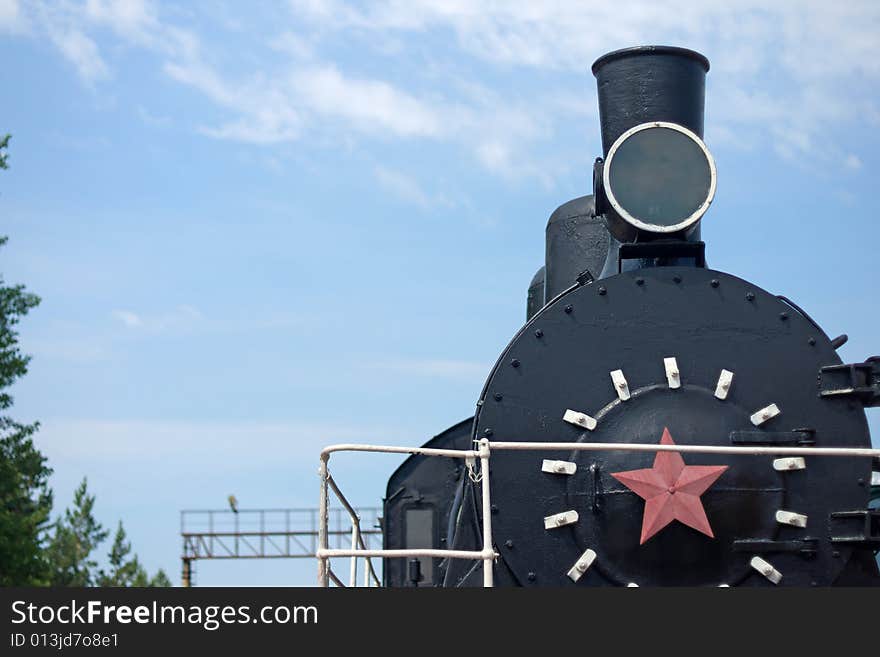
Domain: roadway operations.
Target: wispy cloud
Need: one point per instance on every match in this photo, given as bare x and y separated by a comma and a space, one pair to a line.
308, 96
744, 39
81, 51
11, 17
182, 317
402, 186
152, 119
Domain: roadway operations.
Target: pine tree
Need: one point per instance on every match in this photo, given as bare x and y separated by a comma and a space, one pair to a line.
76, 537
25, 498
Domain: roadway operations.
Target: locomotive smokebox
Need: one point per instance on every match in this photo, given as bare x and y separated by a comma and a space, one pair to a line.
650, 83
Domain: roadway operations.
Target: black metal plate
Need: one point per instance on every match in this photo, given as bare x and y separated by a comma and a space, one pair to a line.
708, 320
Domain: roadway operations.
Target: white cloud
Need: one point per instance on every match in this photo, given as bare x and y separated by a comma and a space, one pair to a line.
293, 45
402, 186
369, 105
817, 87
853, 162
180, 318
807, 91
149, 118
130, 319
81, 51
11, 18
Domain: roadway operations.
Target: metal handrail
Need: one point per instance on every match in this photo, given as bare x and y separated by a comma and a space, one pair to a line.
357, 536
488, 554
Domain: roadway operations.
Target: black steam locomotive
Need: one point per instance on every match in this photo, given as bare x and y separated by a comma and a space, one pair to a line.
630, 338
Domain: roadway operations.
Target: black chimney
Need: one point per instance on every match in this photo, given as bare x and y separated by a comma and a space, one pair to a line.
650, 83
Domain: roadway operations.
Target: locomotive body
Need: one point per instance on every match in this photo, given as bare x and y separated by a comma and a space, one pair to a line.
636, 340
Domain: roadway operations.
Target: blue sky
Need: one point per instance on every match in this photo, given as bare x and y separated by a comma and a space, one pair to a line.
258, 229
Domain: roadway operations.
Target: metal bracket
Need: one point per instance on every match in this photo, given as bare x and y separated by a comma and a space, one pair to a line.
766, 569
662, 249
585, 277
806, 547
558, 467
560, 519
789, 463
862, 527
858, 380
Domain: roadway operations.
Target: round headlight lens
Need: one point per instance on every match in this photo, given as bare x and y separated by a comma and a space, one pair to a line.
659, 177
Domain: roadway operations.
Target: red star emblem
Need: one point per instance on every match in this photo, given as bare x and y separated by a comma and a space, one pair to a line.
671, 491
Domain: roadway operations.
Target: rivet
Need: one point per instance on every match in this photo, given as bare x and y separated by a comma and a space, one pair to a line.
676, 279
811, 341
494, 508
531, 577
750, 296
714, 282
487, 432
498, 396
508, 543
835, 554
861, 482
783, 316
640, 281
569, 308
538, 333
602, 291
515, 362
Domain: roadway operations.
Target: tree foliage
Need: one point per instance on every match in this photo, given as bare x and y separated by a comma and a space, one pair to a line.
127, 570
77, 535
4, 145
33, 551
25, 497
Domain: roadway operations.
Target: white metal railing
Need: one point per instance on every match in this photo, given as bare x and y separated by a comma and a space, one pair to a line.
487, 554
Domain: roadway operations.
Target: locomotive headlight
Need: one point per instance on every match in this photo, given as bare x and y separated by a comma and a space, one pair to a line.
659, 177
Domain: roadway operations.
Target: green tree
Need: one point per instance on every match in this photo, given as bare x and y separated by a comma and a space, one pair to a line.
77, 535
4, 145
160, 579
25, 498
125, 570
28, 555
71, 551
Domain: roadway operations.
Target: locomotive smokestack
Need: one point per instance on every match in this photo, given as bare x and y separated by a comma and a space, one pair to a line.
656, 178
650, 83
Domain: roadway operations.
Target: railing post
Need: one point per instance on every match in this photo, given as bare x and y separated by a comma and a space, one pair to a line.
323, 519
354, 560
487, 515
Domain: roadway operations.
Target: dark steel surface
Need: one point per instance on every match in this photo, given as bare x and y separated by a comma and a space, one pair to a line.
427, 483
575, 241
708, 320
535, 295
